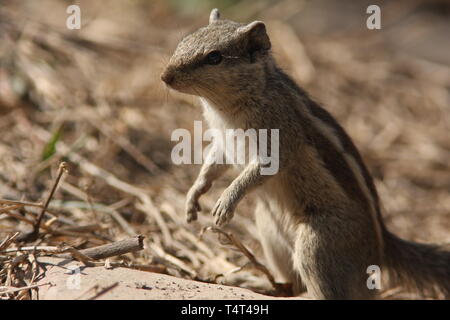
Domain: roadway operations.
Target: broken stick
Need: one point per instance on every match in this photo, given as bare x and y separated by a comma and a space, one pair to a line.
111, 249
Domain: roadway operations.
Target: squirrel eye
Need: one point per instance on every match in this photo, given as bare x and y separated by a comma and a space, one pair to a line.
214, 57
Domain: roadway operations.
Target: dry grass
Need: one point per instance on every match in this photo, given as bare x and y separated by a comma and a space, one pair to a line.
93, 98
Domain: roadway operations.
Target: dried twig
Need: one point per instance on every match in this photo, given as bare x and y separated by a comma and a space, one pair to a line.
12, 290
33, 235
9, 239
112, 249
22, 204
172, 261
87, 255
82, 230
78, 255
62, 168
50, 249
7, 209
281, 289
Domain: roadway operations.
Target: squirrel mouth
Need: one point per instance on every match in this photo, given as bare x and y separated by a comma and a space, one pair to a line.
183, 89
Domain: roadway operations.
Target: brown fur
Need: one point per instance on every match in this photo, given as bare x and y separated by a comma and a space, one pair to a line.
319, 216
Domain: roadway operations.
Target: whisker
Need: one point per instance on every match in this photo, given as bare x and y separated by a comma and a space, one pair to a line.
167, 95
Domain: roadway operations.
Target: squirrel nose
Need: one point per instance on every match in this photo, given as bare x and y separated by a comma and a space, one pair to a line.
167, 77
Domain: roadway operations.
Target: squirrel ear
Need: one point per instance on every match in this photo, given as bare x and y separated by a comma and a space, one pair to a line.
214, 15
256, 35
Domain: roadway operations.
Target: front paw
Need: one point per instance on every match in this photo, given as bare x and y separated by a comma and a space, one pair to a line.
224, 209
192, 207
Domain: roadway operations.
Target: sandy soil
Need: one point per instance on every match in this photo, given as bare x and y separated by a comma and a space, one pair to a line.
71, 280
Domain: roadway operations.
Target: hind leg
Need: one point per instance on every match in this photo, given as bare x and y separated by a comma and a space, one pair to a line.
333, 262
277, 249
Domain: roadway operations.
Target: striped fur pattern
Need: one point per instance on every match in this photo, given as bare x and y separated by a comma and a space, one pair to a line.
319, 216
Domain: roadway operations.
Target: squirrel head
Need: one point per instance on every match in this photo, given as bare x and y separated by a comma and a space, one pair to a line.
220, 61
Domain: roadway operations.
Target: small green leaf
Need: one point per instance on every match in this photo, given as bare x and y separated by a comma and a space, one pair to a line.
50, 147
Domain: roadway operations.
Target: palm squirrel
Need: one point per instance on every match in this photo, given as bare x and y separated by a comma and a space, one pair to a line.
319, 216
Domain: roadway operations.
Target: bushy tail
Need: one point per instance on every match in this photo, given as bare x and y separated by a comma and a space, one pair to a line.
422, 268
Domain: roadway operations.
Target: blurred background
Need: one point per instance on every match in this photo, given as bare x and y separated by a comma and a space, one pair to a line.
93, 97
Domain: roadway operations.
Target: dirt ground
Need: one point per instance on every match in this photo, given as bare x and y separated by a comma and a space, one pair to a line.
93, 98
128, 284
